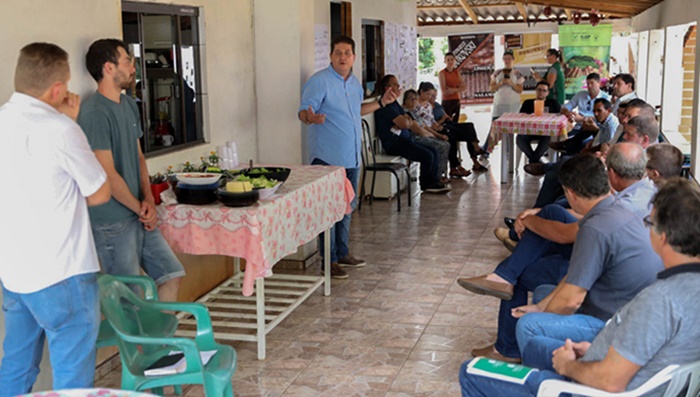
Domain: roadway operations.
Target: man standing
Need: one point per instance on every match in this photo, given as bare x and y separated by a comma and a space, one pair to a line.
125, 228
331, 103
48, 264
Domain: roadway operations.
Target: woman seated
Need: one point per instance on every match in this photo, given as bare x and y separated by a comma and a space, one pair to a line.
431, 137
456, 132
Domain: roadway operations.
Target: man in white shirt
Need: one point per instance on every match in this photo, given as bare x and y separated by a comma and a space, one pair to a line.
48, 262
623, 90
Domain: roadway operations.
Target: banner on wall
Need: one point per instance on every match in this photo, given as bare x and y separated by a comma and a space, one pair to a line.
585, 49
475, 61
401, 53
529, 51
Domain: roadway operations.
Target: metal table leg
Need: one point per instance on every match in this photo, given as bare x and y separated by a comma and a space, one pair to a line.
327, 262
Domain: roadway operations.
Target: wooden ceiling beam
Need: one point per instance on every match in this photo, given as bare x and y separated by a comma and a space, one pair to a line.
522, 8
469, 10
584, 6
568, 13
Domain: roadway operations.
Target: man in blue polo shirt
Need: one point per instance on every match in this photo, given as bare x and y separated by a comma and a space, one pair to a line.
331, 104
579, 109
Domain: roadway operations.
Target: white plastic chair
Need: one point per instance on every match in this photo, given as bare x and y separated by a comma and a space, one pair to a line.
679, 378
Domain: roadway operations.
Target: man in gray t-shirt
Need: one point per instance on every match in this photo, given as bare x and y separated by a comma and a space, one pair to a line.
125, 229
659, 327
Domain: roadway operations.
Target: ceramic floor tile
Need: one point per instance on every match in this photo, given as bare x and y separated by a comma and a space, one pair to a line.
400, 326
409, 292
430, 371
396, 312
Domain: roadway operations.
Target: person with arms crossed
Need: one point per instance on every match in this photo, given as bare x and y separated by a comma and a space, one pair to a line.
331, 104
125, 229
48, 263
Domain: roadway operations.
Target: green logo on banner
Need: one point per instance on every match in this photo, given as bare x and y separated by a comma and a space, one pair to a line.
585, 35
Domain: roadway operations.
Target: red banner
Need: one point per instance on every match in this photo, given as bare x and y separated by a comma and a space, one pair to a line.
475, 60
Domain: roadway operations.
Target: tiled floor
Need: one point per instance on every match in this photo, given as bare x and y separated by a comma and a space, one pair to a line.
400, 326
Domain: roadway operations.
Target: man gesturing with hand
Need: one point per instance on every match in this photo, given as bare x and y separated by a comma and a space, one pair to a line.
331, 104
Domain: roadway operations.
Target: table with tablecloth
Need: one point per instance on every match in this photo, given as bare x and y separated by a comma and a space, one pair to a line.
311, 201
509, 124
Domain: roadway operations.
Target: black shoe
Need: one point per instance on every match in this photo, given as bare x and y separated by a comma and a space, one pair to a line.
510, 222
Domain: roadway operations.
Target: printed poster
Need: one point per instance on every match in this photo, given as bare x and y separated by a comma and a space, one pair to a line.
586, 49
529, 51
401, 53
475, 60
322, 47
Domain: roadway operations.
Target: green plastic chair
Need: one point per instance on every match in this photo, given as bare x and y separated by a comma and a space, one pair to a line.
138, 350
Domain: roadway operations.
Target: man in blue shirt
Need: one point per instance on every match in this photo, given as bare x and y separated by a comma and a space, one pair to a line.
578, 109
605, 122
331, 104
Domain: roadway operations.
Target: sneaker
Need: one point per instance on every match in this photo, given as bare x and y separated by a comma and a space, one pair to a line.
337, 272
503, 235
437, 188
351, 261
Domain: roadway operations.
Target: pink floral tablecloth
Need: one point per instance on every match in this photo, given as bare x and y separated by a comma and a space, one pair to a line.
309, 202
528, 124
88, 393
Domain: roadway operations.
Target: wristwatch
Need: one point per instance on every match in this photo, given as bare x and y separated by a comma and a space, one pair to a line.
379, 100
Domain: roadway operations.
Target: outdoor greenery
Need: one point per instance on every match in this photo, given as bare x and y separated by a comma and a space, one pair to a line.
426, 58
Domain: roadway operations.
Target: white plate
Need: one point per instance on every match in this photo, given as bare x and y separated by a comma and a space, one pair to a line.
198, 178
267, 193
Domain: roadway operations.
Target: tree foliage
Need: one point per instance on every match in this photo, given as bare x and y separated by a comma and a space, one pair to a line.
426, 58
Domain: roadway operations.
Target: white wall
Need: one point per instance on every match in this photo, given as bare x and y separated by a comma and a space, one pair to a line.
284, 38
74, 24
667, 13
227, 60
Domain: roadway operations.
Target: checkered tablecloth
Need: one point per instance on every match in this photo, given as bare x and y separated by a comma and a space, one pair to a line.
528, 124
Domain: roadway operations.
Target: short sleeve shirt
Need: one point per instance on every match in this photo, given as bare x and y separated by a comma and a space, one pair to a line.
612, 258
659, 327
606, 130
384, 121
423, 114
505, 99
115, 127
557, 91
637, 197
338, 140
47, 236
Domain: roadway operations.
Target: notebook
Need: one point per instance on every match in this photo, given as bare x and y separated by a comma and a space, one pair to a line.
495, 369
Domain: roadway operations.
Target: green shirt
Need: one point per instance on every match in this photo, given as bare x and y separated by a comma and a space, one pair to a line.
557, 91
116, 127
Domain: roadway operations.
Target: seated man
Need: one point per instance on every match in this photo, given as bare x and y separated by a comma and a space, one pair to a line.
578, 110
626, 166
644, 126
623, 90
659, 327
524, 141
664, 161
394, 127
608, 238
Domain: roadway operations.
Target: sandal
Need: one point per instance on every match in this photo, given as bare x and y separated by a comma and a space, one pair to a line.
444, 181
479, 168
465, 172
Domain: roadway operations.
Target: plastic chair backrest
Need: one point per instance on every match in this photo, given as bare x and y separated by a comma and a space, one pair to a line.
127, 314
368, 156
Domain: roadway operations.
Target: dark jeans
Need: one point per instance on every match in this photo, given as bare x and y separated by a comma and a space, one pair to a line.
460, 132
534, 261
524, 144
452, 108
414, 151
551, 189
340, 232
576, 143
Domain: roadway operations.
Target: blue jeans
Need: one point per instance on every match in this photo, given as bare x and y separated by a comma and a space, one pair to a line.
577, 327
340, 232
546, 270
414, 151
68, 315
481, 386
124, 247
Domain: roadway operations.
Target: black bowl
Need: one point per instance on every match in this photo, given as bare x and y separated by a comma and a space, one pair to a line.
278, 173
195, 196
242, 199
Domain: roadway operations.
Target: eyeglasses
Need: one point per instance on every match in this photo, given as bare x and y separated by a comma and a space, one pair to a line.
648, 222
